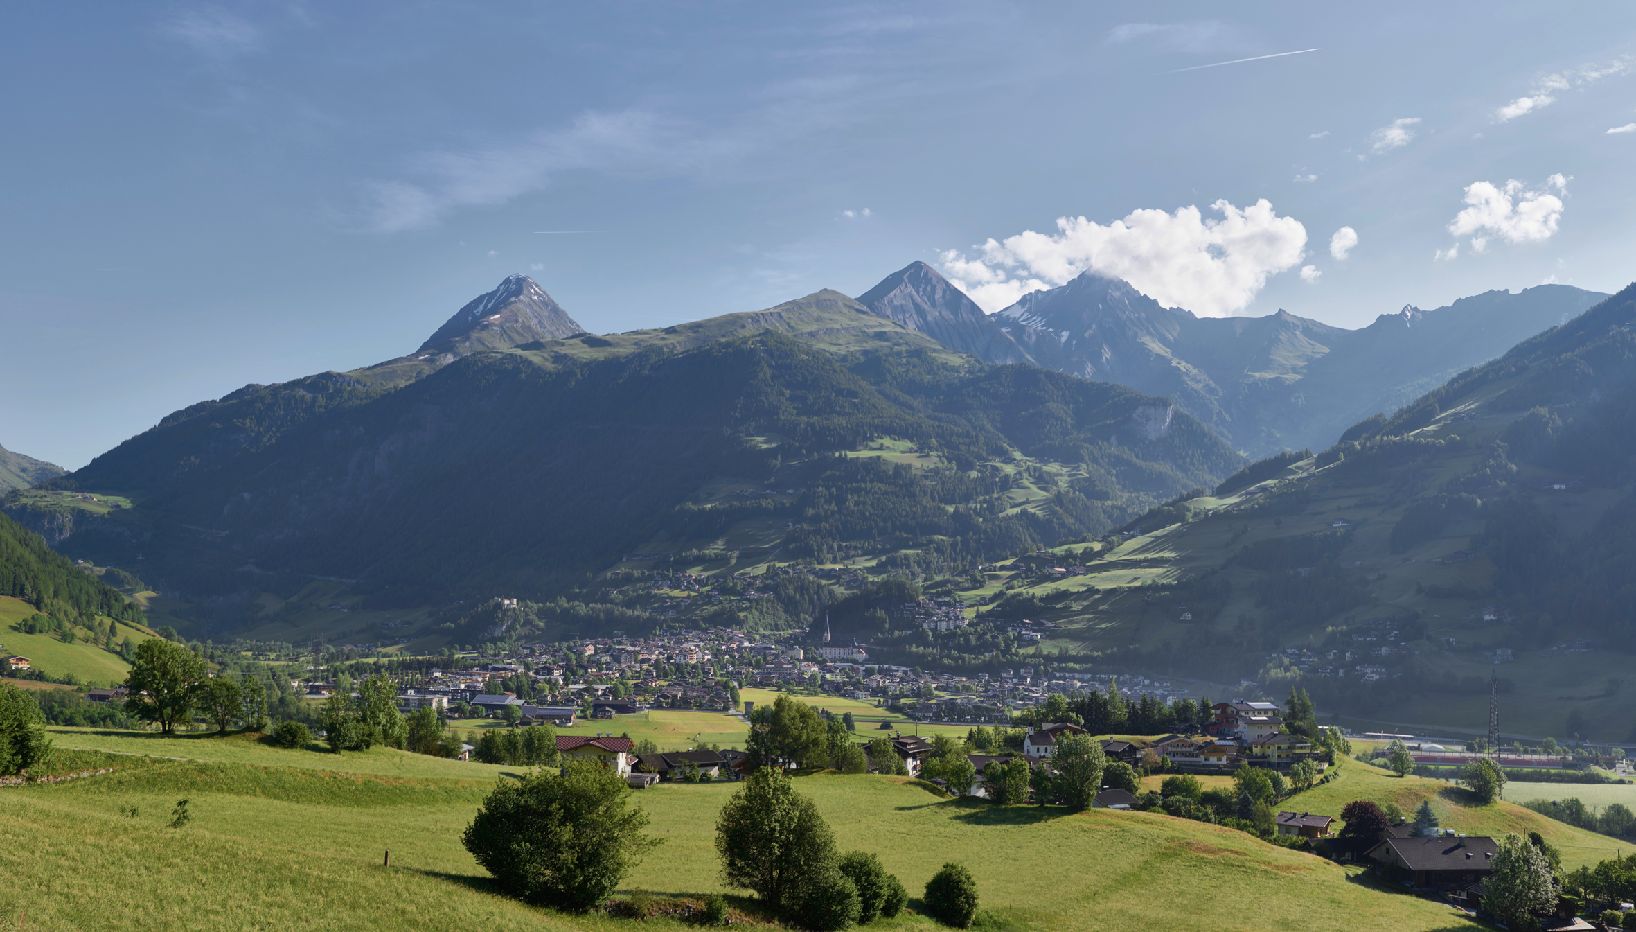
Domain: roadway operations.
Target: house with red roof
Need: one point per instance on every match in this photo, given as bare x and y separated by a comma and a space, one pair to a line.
617, 753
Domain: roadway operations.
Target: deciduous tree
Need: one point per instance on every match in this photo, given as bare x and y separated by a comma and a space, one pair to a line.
163, 683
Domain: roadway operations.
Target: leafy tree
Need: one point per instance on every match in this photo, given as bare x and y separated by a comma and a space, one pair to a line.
883, 758
826, 899
871, 881
1181, 785
378, 712
848, 721
894, 899
1520, 885
425, 732
771, 838
951, 894
1398, 758
849, 758
1007, 782
1121, 776
1365, 824
1077, 766
289, 734
1485, 779
343, 726
949, 764
1254, 784
560, 840
221, 702
22, 731
163, 683
787, 733
1303, 774
1425, 820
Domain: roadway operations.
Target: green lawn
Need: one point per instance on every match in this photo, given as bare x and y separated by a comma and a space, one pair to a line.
1456, 809
670, 729
1595, 795
867, 716
90, 663
296, 839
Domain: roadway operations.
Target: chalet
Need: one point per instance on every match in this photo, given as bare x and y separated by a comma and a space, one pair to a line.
116, 694
1305, 824
1441, 861
1042, 741
610, 709
1203, 755
1277, 751
914, 751
1114, 799
17, 663
676, 764
1246, 720
615, 753
1125, 751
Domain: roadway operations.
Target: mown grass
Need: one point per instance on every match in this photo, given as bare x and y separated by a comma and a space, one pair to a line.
82, 659
669, 729
277, 843
867, 716
1595, 795
1456, 808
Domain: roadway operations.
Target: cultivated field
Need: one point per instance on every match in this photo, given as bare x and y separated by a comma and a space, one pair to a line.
296, 839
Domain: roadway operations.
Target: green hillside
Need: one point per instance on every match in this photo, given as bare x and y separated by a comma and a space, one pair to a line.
19, 472
1489, 521
295, 839
50, 654
727, 444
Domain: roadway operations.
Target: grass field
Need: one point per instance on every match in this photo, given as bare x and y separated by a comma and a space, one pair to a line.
1595, 795
670, 729
295, 840
1455, 809
868, 717
90, 663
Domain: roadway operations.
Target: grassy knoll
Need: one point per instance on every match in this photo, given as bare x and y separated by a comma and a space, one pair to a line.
82, 659
1595, 795
294, 839
670, 729
1456, 809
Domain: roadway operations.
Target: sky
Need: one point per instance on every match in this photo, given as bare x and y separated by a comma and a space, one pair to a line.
194, 196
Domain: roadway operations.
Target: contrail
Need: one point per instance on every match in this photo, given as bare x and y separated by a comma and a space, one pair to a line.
1240, 61
563, 232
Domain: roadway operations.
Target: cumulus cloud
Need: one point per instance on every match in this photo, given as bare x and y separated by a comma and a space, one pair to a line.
858, 213
1621, 130
1310, 274
1512, 213
1211, 265
1305, 177
213, 32
1395, 135
1340, 245
1548, 88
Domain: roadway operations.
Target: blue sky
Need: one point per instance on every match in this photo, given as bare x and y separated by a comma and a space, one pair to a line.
199, 196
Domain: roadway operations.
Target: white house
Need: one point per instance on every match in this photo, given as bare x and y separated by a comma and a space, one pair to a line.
1042, 741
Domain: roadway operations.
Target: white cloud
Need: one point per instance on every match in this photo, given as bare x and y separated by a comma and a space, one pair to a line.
1447, 255
1320, 134
861, 213
1310, 274
212, 31
1340, 245
1399, 133
1512, 212
1621, 130
536, 266
1194, 37
1212, 266
1305, 177
1548, 88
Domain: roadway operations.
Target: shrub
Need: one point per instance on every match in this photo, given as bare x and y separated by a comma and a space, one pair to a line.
1485, 779
291, 735
871, 880
1121, 776
22, 731
1613, 919
772, 838
951, 896
824, 900
894, 899
563, 841
715, 910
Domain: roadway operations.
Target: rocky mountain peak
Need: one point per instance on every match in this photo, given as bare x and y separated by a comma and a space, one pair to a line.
516, 312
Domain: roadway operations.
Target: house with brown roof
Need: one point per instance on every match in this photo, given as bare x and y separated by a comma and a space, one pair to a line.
608, 751
675, 765
1042, 741
1305, 824
914, 750
17, 663
1438, 861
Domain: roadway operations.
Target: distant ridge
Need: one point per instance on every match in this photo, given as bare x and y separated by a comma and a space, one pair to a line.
21, 472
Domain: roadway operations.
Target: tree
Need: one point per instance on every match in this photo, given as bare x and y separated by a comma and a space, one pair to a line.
1303, 774
1365, 824
1181, 785
163, 683
1121, 776
291, 735
221, 702
1520, 885
425, 732
1398, 758
560, 840
378, 712
883, 758
1425, 820
1078, 764
825, 900
1007, 782
950, 765
1485, 779
871, 881
848, 721
787, 733
1253, 784
22, 731
951, 894
849, 758
771, 838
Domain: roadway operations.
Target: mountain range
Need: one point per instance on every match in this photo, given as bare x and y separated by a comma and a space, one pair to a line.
1266, 383
20, 472
514, 454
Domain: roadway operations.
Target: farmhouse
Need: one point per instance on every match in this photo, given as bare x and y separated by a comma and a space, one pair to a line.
913, 750
610, 752
678, 764
1042, 741
17, 663
1305, 824
1441, 861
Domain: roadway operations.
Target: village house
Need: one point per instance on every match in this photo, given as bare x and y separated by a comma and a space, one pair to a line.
491, 703
615, 753
559, 715
1437, 862
1245, 720
1305, 824
675, 765
1277, 751
17, 664
1114, 799
914, 751
1041, 743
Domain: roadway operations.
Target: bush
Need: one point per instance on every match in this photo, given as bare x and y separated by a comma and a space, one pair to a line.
871, 880
771, 839
564, 841
951, 896
894, 899
1613, 919
825, 900
715, 910
291, 735
22, 731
